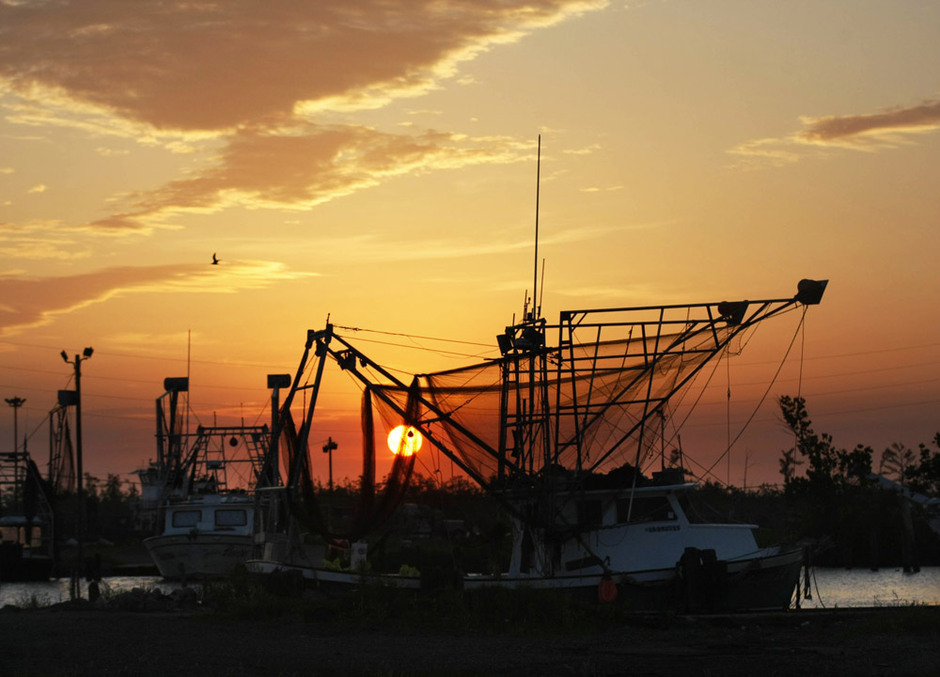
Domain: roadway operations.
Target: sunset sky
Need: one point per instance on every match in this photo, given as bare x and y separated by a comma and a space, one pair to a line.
374, 161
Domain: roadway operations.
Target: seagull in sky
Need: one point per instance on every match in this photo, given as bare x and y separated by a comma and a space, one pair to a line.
215, 261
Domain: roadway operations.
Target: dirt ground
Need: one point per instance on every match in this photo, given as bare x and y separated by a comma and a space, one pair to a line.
80, 640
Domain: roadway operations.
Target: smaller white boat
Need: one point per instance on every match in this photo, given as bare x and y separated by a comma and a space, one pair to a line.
206, 519
204, 536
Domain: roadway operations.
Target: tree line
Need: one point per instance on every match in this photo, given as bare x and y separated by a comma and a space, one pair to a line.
830, 497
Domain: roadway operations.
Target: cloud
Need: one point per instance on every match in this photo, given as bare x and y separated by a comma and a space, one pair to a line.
212, 66
863, 132
863, 128
32, 302
305, 165
260, 77
40, 240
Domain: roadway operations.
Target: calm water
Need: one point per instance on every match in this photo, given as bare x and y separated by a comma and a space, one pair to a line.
831, 588
57, 590
863, 588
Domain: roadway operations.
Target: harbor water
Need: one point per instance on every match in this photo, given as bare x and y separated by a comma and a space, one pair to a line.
840, 588
829, 588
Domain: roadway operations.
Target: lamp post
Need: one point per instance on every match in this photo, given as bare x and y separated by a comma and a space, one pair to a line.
80, 487
16, 403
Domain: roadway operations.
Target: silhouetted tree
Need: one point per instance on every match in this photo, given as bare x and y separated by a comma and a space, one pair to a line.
828, 468
896, 462
834, 500
924, 472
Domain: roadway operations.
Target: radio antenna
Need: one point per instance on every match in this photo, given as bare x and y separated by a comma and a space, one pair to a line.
538, 312
535, 268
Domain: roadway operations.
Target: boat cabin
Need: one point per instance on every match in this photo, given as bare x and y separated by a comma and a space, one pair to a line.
212, 513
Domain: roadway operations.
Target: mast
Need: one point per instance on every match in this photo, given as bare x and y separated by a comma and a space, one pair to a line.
536, 311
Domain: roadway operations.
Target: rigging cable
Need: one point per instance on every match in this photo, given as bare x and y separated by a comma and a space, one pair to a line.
448, 353
728, 410
799, 383
766, 392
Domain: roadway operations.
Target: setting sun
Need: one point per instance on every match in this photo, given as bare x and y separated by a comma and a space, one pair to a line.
405, 441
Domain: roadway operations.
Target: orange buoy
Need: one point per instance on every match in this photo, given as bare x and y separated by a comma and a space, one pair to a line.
606, 590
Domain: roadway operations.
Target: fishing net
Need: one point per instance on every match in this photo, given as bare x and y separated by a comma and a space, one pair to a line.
61, 456
582, 406
375, 502
593, 404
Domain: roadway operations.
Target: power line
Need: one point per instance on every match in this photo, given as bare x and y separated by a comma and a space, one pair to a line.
414, 336
142, 356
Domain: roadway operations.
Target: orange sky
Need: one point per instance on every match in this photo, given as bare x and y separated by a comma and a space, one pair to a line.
375, 161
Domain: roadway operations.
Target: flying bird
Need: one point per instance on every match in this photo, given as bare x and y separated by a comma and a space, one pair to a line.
215, 261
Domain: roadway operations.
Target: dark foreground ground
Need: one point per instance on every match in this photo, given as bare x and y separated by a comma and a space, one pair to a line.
80, 640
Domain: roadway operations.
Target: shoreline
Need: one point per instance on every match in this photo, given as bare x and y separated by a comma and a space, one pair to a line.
80, 639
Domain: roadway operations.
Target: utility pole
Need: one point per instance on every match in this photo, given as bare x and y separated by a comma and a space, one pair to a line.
80, 487
328, 448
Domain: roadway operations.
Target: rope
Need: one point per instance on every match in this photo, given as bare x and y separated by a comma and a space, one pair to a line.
764, 396
728, 412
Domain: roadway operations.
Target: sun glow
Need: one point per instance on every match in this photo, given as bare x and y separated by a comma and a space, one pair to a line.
405, 441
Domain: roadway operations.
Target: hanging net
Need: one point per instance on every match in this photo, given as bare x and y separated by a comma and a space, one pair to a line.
61, 456
582, 405
375, 502
591, 404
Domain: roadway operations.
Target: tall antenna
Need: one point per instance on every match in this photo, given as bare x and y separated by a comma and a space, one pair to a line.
535, 267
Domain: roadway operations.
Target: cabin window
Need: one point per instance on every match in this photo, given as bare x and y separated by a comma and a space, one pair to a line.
695, 511
231, 517
590, 513
645, 509
186, 518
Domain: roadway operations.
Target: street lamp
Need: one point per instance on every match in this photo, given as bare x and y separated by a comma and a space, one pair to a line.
16, 403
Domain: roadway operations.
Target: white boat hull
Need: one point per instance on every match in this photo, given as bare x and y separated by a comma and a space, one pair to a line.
760, 583
199, 556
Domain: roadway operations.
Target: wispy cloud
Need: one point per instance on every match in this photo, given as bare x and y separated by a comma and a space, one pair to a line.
868, 132
40, 240
382, 246
305, 165
31, 302
874, 127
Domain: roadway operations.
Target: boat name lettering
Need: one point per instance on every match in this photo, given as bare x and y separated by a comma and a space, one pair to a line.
670, 527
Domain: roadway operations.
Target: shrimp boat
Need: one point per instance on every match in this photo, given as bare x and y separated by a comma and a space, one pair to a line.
203, 491
26, 520
556, 428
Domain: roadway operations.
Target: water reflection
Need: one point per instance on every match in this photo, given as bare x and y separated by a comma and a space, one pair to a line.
864, 588
831, 588
51, 592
